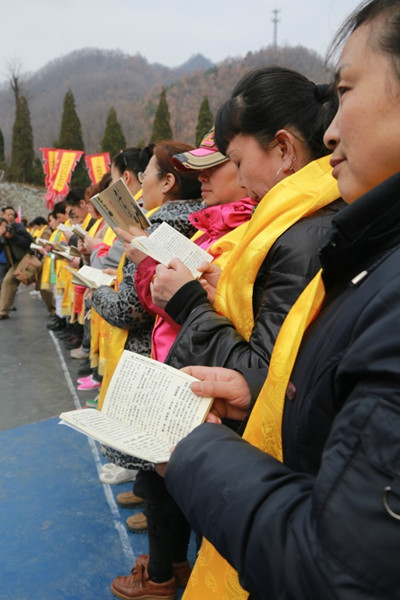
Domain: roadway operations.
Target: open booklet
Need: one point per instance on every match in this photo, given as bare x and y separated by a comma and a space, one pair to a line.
119, 208
149, 407
74, 229
54, 245
79, 231
90, 277
64, 228
165, 243
69, 252
34, 246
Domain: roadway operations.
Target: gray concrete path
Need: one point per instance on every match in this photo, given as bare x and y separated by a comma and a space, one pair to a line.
37, 375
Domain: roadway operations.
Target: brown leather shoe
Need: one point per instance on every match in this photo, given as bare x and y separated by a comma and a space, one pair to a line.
137, 523
137, 585
182, 573
181, 570
129, 500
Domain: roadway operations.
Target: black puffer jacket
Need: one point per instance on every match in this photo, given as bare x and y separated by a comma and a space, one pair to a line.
207, 338
320, 525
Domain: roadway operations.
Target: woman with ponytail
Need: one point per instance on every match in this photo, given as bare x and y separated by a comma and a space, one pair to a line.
272, 129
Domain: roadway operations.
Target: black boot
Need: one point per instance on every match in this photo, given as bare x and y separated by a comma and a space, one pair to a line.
56, 324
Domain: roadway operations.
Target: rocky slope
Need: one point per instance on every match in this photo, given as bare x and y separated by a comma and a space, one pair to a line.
28, 197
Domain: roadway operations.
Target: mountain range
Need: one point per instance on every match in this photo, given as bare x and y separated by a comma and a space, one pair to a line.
102, 79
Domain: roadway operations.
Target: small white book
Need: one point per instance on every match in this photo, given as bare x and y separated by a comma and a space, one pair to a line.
90, 277
69, 252
65, 255
149, 407
54, 245
34, 246
64, 228
165, 243
44, 241
79, 231
119, 208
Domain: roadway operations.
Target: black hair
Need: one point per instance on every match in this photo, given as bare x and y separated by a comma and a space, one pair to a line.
271, 98
59, 208
133, 159
38, 221
9, 208
75, 195
387, 37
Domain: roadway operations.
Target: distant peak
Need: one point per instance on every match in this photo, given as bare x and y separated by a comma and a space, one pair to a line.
197, 62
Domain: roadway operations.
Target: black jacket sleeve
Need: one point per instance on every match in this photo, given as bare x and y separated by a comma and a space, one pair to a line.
290, 534
210, 339
257, 516
315, 529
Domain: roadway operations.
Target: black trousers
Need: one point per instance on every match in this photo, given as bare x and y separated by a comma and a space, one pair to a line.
168, 530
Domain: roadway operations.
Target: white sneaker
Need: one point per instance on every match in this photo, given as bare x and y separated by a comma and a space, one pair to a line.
112, 474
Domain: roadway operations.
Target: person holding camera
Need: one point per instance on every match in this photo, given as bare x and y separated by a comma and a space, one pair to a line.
9, 214
15, 241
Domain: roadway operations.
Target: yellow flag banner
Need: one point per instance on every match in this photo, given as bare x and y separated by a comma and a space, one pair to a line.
97, 165
50, 157
63, 170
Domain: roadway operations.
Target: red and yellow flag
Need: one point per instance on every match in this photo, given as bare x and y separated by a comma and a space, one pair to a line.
50, 157
97, 165
58, 167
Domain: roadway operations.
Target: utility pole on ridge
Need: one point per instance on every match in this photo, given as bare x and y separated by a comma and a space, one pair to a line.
275, 21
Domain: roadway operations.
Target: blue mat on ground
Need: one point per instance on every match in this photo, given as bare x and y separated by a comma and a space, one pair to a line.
62, 536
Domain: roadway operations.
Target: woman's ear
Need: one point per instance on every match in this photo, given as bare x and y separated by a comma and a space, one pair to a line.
169, 182
286, 143
126, 176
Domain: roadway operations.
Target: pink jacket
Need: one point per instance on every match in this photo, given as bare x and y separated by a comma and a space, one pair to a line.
215, 222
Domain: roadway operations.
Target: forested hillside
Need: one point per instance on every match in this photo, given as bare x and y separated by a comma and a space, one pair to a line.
101, 79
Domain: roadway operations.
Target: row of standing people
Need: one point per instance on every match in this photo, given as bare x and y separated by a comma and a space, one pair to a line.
305, 464
263, 265
262, 268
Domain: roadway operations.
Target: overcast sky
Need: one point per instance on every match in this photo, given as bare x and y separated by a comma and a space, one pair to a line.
165, 31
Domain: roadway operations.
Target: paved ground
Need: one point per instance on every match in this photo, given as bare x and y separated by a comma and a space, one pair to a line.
62, 535
37, 376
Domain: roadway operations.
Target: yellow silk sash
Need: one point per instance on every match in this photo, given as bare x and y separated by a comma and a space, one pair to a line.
212, 576
93, 230
109, 236
66, 281
292, 199
108, 342
48, 261
39, 232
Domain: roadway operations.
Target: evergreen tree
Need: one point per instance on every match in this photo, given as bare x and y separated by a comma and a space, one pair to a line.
22, 153
38, 173
2, 155
113, 139
70, 138
161, 125
204, 120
